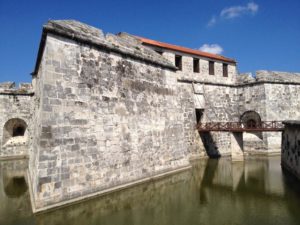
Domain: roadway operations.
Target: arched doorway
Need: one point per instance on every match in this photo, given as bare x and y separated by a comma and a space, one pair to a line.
251, 119
15, 127
252, 141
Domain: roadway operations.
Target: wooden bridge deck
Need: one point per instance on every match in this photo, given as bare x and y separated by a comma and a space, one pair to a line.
265, 126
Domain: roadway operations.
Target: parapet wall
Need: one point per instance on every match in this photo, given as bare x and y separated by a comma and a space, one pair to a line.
290, 148
15, 111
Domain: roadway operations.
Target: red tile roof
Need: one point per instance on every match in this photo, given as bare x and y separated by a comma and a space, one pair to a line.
184, 50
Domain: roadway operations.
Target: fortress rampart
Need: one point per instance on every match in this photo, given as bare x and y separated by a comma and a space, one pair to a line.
110, 111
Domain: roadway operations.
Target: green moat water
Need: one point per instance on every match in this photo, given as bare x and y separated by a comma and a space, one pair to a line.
213, 192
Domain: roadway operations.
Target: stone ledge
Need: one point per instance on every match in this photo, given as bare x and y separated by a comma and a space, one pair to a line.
241, 82
291, 122
13, 157
262, 153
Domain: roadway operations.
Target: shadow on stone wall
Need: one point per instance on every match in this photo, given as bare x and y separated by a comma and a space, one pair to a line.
210, 145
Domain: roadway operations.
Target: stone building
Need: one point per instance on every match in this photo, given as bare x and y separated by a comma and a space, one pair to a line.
105, 111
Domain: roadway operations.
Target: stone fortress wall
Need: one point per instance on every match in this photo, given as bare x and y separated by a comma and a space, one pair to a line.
275, 97
106, 116
290, 148
110, 111
15, 108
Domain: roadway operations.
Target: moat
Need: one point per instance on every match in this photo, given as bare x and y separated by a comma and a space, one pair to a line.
212, 192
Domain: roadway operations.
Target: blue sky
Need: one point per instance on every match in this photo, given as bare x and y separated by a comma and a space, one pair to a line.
258, 34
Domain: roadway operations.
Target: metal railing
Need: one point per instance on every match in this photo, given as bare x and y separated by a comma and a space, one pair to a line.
240, 126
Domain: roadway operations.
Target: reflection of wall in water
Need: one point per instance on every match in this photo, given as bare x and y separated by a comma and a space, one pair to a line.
257, 190
14, 195
255, 175
137, 204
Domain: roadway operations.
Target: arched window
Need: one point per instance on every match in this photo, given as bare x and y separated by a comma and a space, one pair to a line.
14, 128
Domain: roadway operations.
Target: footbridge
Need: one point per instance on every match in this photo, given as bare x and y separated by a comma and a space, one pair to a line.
250, 126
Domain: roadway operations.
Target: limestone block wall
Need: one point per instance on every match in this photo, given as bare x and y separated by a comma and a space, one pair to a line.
220, 106
275, 97
218, 103
282, 103
102, 120
188, 106
252, 97
15, 106
290, 149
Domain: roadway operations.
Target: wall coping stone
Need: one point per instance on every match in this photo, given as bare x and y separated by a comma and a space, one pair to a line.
262, 77
9, 88
291, 122
92, 36
277, 76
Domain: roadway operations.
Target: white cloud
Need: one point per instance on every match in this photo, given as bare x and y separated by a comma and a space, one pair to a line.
234, 12
213, 48
212, 21
237, 11
252, 7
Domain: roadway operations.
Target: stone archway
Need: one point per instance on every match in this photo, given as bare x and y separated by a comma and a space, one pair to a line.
13, 128
252, 141
251, 119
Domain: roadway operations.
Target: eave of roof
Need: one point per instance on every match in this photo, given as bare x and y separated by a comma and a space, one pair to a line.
185, 50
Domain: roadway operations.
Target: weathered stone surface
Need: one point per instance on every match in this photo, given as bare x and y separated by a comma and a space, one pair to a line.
118, 120
14, 106
276, 76
90, 35
290, 149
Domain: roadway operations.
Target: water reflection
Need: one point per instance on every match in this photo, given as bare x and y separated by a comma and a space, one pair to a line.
14, 197
213, 192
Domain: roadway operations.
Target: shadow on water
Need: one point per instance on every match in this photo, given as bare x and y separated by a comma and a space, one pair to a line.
207, 180
214, 191
292, 192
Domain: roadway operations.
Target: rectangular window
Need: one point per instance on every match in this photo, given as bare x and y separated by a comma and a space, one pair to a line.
211, 68
178, 61
225, 70
196, 65
159, 52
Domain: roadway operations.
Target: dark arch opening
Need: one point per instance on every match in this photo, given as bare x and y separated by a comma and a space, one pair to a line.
18, 131
251, 123
251, 119
14, 128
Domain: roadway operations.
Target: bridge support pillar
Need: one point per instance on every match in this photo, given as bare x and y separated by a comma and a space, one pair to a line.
237, 153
